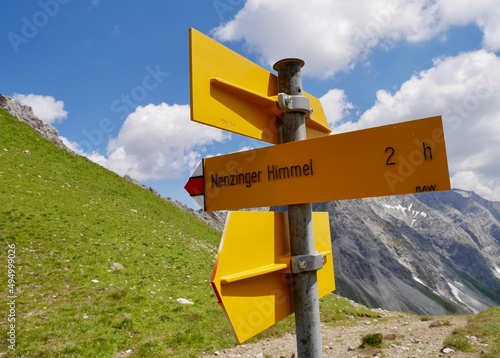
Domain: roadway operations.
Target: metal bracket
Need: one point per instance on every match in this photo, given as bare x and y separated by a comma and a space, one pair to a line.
297, 103
304, 263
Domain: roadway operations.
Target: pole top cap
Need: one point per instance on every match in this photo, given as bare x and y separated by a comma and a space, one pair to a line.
278, 64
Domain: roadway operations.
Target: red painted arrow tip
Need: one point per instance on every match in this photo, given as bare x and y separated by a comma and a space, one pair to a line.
212, 281
194, 186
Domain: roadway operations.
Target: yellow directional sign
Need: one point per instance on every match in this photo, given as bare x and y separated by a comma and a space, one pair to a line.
232, 93
251, 277
401, 158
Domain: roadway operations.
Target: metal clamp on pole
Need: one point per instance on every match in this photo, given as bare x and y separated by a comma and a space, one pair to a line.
304, 263
294, 103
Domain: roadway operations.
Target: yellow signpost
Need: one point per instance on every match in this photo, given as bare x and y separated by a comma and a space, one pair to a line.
232, 93
401, 158
252, 274
265, 262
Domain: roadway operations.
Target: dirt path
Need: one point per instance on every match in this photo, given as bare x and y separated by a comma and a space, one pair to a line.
405, 336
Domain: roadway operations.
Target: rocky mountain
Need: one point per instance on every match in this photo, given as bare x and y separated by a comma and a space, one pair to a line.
25, 114
429, 253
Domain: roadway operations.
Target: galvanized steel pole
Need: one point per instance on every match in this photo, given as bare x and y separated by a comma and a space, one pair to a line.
305, 283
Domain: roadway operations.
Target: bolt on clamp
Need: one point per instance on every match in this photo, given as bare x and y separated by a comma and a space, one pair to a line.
304, 263
294, 103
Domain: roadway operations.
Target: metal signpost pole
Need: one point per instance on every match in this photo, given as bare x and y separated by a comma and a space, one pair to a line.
305, 260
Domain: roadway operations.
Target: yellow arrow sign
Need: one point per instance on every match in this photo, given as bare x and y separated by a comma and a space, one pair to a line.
402, 158
251, 277
232, 93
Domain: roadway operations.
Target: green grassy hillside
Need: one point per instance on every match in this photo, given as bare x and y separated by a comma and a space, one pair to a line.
70, 220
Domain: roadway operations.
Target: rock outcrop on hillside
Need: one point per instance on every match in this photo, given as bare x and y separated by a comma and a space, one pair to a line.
25, 114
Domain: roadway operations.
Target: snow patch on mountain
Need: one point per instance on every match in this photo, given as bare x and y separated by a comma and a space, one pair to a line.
407, 214
496, 272
468, 297
465, 194
419, 280
456, 292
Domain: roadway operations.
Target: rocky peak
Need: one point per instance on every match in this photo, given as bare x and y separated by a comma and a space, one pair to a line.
25, 114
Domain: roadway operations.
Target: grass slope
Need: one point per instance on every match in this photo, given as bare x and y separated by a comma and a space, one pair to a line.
70, 220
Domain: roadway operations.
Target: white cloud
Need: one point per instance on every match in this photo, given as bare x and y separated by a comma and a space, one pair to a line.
465, 90
336, 106
78, 149
157, 142
332, 36
71, 145
483, 13
45, 108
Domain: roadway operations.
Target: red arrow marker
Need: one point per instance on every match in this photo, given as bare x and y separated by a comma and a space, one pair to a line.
213, 283
195, 186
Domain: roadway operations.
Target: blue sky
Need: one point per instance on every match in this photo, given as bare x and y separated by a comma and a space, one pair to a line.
113, 76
